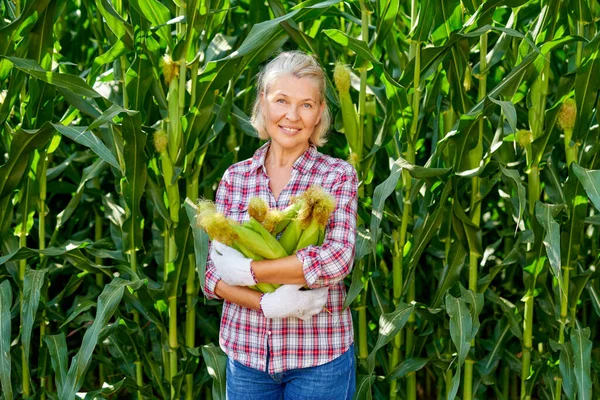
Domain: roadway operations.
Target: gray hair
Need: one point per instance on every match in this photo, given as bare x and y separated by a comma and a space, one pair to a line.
299, 65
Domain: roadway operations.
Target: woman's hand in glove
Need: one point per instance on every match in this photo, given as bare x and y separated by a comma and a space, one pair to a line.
231, 265
290, 301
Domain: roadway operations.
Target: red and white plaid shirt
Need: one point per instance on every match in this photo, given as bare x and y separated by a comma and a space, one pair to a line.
292, 343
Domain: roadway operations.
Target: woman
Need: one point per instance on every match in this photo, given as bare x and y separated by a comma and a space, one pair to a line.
292, 343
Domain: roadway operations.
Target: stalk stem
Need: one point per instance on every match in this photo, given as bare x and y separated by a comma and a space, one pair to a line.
42, 246
190, 322
22, 270
397, 285
363, 349
136, 318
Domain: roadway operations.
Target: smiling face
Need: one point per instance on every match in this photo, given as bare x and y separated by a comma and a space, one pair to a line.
292, 107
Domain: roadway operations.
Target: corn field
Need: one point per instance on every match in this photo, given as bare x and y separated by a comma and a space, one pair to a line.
473, 126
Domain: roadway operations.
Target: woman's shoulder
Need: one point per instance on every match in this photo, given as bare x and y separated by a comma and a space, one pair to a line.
327, 164
248, 165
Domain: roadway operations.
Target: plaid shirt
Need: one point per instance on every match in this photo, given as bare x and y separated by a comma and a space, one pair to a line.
292, 343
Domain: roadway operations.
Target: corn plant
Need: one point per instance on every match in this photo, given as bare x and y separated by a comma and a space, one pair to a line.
474, 130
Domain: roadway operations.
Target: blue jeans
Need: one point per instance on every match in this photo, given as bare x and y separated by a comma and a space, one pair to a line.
335, 380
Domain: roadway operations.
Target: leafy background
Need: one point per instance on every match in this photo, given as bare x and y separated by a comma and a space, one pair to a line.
475, 133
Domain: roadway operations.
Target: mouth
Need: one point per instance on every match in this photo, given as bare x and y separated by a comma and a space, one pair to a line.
289, 129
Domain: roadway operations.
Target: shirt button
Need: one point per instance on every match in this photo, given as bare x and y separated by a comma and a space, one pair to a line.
268, 332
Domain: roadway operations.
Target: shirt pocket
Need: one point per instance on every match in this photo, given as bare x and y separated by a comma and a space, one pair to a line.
238, 212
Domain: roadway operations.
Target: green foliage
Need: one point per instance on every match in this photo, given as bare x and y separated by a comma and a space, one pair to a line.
469, 179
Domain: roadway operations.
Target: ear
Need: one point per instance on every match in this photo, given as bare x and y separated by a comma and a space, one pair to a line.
322, 110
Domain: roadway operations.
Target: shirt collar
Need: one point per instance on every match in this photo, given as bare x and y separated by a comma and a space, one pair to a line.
303, 164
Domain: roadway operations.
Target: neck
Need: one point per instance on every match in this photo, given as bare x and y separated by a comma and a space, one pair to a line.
283, 158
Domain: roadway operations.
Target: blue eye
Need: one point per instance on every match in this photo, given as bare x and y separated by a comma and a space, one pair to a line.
307, 105
280, 101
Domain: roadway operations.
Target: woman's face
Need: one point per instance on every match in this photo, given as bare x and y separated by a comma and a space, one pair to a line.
292, 108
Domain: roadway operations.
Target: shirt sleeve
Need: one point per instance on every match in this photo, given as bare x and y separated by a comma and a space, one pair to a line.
222, 201
331, 262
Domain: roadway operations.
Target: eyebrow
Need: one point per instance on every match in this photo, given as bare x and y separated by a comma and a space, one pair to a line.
285, 95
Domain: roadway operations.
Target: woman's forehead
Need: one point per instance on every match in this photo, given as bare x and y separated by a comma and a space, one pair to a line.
294, 86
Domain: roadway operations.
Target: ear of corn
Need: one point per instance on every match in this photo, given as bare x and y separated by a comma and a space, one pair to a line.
310, 236
275, 248
258, 209
290, 237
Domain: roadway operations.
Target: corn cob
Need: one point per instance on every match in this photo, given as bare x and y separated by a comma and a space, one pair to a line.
277, 221
258, 209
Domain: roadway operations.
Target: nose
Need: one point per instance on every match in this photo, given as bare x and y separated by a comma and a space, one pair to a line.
292, 113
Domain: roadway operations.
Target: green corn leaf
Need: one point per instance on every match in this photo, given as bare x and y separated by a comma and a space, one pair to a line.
419, 172
475, 300
117, 50
80, 308
356, 284
511, 258
108, 301
22, 24
582, 356
488, 365
461, 325
156, 374
87, 106
134, 182
515, 180
594, 297
5, 339
509, 112
108, 115
70, 82
57, 346
158, 15
363, 386
566, 366
24, 253
200, 242
425, 232
590, 179
407, 366
115, 22
105, 392
587, 85
423, 26
455, 383
216, 363
450, 273
472, 231
89, 173
83, 136
259, 35
183, 242
385, 22
138, 80
32, 286
545, 214
23, 143
389, 326
156, 195
381, 193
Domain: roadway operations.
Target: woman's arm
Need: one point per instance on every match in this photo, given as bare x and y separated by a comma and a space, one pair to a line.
325, 265
240, 295
281, 271
330, 263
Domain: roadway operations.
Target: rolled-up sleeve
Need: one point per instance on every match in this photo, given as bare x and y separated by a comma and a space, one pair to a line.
331, 262
222, 201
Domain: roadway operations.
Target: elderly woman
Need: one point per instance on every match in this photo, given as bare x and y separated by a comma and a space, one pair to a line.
292, 343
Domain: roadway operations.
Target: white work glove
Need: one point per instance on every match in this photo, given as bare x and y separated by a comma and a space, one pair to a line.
290, 301
231, 265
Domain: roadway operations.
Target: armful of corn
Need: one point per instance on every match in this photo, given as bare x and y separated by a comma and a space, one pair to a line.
301, 224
